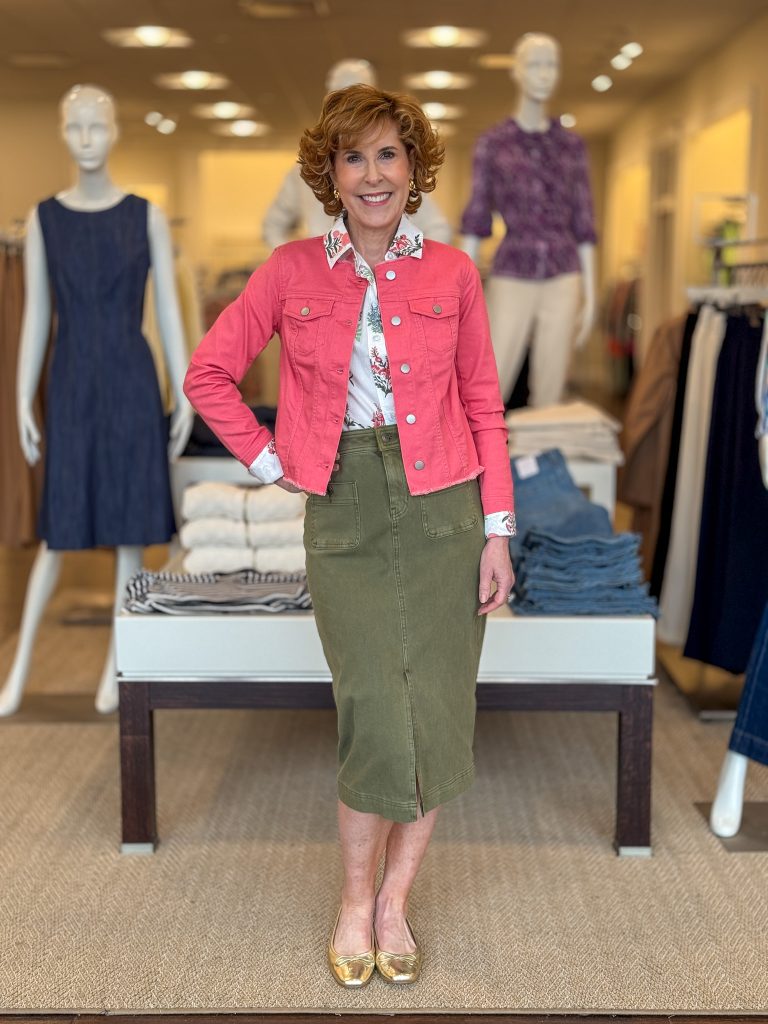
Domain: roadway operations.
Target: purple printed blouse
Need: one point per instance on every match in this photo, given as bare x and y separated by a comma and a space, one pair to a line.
539, 183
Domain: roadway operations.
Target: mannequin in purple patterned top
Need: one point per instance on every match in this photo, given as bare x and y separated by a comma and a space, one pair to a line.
534, 173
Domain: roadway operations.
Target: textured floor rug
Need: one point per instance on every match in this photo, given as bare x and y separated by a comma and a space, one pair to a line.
521, 905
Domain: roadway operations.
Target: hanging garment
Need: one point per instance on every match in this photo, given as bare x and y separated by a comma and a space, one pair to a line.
20, 484
106, 466
670, 475
647, 434
679, 577
732, 570
750, 731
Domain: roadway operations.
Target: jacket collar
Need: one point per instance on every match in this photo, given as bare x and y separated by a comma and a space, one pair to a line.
408, 241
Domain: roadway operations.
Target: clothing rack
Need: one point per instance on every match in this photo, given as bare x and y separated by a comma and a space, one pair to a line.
739, 286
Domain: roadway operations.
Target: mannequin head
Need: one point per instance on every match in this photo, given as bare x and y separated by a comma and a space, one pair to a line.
350, 72
537, 65
88, 125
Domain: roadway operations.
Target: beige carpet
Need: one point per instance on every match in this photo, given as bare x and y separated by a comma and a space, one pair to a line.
521, 906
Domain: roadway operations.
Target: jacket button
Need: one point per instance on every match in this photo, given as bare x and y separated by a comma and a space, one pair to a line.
410, 418
405, 368
418, 464
395, 321
390, 275
437, 309
305, 310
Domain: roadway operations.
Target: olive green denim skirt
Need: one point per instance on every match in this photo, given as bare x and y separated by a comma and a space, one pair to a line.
394, 583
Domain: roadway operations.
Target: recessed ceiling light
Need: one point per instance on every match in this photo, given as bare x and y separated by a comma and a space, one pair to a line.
438, 80
621, 62
148, 35
632, 50
441, 111
225, 110
192, 80
153, 118
445, 36
602, 83
167, 126
567, 120
496, 61
243, 129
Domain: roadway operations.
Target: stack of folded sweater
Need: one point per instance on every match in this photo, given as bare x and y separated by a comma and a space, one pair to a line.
227, 528
578, 429
567, 558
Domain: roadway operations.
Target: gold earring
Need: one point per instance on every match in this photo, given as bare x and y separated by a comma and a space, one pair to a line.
336, 195
412, 187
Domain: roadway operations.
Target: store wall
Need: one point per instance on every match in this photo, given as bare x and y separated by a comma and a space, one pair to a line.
708, 134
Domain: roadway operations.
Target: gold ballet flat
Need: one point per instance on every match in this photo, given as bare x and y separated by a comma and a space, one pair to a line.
350, 971
398, 968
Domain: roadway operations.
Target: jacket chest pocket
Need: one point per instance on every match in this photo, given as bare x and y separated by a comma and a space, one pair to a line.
438, 321
306, 322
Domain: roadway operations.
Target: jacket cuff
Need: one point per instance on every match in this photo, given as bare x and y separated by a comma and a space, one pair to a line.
500, 524
266, 467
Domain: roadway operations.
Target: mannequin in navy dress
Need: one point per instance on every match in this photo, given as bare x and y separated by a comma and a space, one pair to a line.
107, 444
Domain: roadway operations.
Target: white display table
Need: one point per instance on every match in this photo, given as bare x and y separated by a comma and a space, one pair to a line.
585, 663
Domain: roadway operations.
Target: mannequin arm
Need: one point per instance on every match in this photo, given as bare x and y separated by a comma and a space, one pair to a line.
171, 329
284, 213
470, 244
589, 306
35, 328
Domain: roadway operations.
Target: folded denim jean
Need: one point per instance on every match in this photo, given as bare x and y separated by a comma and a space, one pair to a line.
629, 606
547, 499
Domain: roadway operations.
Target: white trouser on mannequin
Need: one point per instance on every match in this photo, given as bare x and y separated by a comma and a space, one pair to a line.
545, 312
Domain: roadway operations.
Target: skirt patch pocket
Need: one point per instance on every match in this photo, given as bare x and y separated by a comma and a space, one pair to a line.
334, 518
451, 510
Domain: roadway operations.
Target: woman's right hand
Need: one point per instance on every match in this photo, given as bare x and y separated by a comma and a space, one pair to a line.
282, 482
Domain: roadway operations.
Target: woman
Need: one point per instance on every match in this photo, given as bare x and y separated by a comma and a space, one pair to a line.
389, 438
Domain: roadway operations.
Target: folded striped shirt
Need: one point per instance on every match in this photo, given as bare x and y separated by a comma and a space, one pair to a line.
242, 592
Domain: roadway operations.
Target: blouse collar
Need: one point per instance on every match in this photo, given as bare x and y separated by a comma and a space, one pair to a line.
408, 241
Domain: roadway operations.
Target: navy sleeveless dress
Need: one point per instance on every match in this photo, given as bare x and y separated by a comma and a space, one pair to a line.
106, 456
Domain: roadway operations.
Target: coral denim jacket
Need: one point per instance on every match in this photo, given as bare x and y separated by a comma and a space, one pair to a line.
437, 337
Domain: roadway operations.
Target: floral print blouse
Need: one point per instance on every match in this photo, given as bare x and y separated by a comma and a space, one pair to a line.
370, 402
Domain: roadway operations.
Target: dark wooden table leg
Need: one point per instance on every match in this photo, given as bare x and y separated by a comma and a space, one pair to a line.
633, 793
137, 768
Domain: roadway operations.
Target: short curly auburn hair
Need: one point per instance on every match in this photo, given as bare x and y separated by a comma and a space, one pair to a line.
350, 113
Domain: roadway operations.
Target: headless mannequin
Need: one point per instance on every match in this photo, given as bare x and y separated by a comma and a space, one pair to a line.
89, 130
725, 816
296, 205
558, 311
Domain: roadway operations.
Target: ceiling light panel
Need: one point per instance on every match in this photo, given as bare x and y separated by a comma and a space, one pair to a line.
632, 50
444, 36
284, 8
223, 111
152, 36
242, 129
442, 111
602, 83
192, 80
567, 120
438, 80
621, 62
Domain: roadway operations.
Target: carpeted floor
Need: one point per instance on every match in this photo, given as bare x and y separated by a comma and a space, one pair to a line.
521, 906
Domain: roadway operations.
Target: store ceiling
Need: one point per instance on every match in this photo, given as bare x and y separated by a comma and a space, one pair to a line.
279, 65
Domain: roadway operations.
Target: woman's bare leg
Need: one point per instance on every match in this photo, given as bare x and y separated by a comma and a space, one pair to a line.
406, 846
363, 839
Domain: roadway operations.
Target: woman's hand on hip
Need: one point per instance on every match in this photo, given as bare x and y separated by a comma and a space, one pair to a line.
495, 567
291, 488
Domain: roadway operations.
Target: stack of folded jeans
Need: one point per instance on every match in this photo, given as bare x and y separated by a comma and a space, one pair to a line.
567, 559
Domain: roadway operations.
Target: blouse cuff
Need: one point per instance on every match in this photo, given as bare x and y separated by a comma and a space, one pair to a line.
266, 467
500, 524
